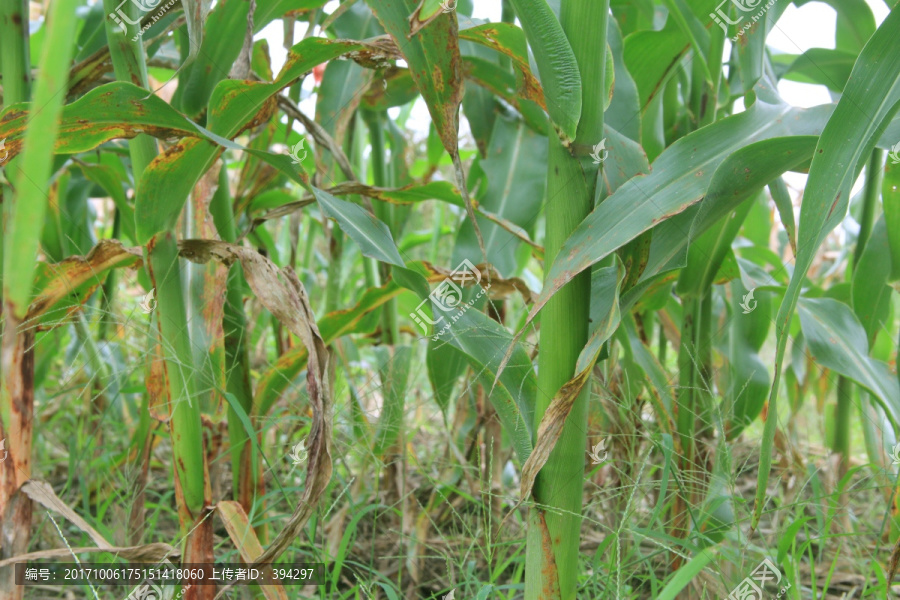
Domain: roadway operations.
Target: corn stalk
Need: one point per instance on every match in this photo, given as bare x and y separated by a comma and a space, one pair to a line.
552, 554
22, 229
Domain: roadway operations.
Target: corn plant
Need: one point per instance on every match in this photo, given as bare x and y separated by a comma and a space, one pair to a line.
450, 304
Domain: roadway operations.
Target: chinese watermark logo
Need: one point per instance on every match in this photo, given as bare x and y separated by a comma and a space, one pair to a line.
295, 153
121, 17
4, 153
895, 153
721, 17
600, 152
448, 297
598, 453
748, 303
3, 451
751, 588
148, 591
448, 6
895, 454
148, 302
299, 453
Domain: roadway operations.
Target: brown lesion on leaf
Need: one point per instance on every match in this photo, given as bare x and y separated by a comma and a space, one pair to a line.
549, 572
77, 271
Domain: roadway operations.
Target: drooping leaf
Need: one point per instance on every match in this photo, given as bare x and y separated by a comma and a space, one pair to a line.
838, 342
218, 50
870, 100
371, 235
484, 342
679, 179
556, 64
235, 105
554, 418
64, 285
284, 296
434, 62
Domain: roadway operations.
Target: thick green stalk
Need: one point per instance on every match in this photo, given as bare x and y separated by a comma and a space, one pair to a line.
187, 440
686, 398
15, 63
564, 320
245, 470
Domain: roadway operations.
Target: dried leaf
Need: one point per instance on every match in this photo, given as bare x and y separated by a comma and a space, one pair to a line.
284, 296
59, 280
156, 552
244, 538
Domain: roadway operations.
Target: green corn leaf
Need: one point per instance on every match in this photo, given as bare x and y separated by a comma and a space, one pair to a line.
708, 251
516, 173
221, 44
195, 14
653, 56
269, 10
509, 40
395, 363
748, 377
31, 174
890, 198
855, 23
624, 111
513, 396
556, 64
445, 366
738, 178
168, 180
823, 66
59, 287
679, 179
340, 93
870, 292
371, 235
871, 98
838, 342
434, 62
